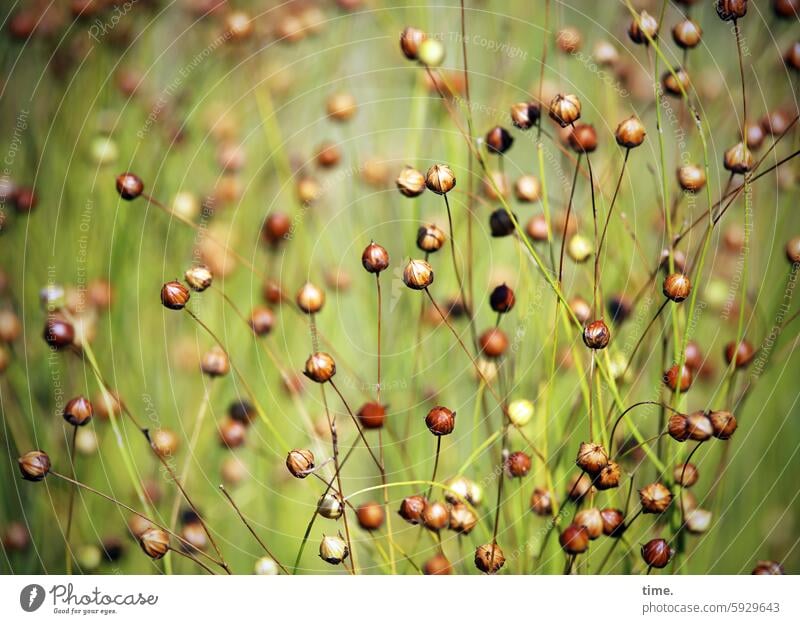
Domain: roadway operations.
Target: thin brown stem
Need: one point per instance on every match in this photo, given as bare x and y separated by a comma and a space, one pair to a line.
71, 505
250, 528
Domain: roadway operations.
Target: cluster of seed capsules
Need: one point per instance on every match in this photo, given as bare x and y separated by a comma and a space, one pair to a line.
457, 512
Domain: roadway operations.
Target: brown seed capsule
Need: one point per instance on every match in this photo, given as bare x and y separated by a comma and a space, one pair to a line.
591, 458
242, 411
678, 427
524, 115
630, 132
691, 178
375, 258
537, 228
498, 140
619, 307
276, 228
776, 122
578, 486
596, 335
489, 558
502, 299
300, 462
565, 109
677, 287
655, 498
232, 433
58, 333
605, 54
341, 106
583, 138
738, 159
493, 342
754, 135
370, 516
437, 565
687, 34
435, 516
609, 477
410, 40
320, 367
16, 537
430, 238
574, 539
693, 357
792, 56
729, 10
793, 250
129, 186
34, 465
198, 277
541, 502
591, 520
310, 299
440, 179
569, 40
698, 426
723, 422
411, 509
78, 411
643, 28
676, 83
372, 415
262, 320
518, 464
440, 421
743, 353
164, 442
154, 542
673, 378
685, 475
214, 362
410, 182
328, 155
613, 522
10, 326
786, 8
768, 567
462, 519
418, 274
174, 295
657, 553
25, 200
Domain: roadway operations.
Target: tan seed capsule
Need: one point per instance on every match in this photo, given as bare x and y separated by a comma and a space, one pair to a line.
34, 465
333, 549
154, 542
489, 558
418, 274
440, 179
630, 132
655, 498
410, 182
198, 277
591, 520
320, 367
300, 462
565, 109
310, 298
